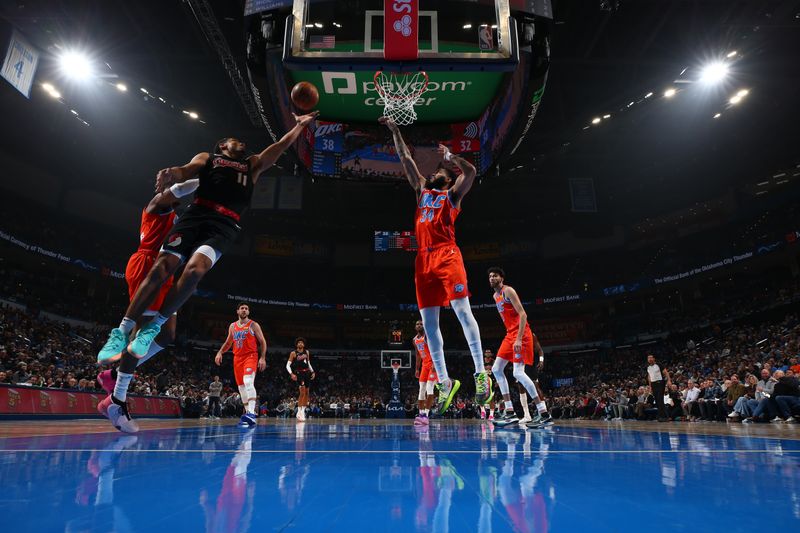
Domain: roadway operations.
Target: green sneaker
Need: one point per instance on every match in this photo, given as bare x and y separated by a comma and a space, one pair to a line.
144, 338
446, 396
482, 389
113, 348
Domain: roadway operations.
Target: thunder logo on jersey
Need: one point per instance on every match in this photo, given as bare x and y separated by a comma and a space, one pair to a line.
239, 336
428, 202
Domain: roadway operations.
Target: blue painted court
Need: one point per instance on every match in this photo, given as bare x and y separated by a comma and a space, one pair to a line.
381, 476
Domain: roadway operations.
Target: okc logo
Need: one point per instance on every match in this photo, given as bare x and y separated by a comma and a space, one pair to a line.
460, 287
403, 25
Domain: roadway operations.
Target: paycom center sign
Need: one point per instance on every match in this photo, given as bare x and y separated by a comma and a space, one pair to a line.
450, 96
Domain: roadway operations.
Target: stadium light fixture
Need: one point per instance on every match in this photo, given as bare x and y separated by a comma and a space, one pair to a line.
669, 93
121, 87
735, 100
732, 53
55, 94
318, 25
193, 115
717, 115
76, 65
742, 93
606, 116
648, 95
596, 120
714, 72
337, 24
48, 87
467, 26
143, 90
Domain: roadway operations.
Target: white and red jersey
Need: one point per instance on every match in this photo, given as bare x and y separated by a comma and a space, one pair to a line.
244, 339
509, 314
153, 230
436, 219
422, 348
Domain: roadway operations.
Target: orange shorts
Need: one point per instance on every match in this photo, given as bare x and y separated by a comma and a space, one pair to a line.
506, 350
138, 267
244, 365
427, 372
440, 277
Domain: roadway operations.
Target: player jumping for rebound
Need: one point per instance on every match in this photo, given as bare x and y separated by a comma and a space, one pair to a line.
426, 375
517, 347
249, 354
199, 239
439, 272
301, 371
157, 220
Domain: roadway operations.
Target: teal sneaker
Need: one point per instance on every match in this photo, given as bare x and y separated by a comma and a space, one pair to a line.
482, 388
446, 396
144, 338
113, 348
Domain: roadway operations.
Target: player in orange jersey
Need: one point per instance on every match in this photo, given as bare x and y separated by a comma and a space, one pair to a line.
157, 220
517, 348
249, 355
426, 375
439, 272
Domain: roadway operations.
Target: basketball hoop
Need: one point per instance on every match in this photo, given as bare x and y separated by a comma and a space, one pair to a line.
400, 92
395, 367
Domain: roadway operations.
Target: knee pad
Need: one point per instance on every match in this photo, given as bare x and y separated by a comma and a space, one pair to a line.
249, 387
429, 387
422, 391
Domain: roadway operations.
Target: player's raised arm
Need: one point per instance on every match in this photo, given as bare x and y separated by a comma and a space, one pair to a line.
171, 175
464, 182
225, 346
262, 346
270, 154
415, 179
163, 201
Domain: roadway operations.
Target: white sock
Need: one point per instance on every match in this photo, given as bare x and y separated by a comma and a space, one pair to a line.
483, 410
541, 407
160, 319
423, 412
154, 349
471, 331
251, 407
430, 319
491, 412
127, 325
121, 388
523, 399
509, 405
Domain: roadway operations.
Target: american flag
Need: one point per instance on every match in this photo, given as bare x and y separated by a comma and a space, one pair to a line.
322, 41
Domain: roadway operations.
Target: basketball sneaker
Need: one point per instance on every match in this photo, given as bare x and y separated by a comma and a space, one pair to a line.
421, 420
524, 420
117, 412
483, 413
491, 417
140, 345
543, 421
482, 388
113, 348
506, 418
446, 395
248, 420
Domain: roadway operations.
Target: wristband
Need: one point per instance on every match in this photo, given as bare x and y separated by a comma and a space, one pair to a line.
447, 155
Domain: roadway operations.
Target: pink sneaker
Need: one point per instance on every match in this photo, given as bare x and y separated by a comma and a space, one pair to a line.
491, 417
106, 381
421, 420
483, 415
102, 407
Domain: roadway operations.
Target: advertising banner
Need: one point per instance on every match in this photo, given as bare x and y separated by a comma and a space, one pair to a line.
16, 400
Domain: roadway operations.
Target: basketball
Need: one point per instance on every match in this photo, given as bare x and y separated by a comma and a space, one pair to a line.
305, 96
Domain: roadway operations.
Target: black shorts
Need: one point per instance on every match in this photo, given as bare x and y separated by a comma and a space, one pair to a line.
304, 378
200, 226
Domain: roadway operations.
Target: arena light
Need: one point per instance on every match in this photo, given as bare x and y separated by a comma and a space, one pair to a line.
48, 87
606, 116
193, 115
648, 95
742, 93
76, 65
732, 53
143, 90
717, 115
669, 93
596, 120
337, 24
318, 25
467, 26
121, 87
735, 100
714, 72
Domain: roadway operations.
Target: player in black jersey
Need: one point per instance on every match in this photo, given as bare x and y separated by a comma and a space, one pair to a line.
208, 226
299, 367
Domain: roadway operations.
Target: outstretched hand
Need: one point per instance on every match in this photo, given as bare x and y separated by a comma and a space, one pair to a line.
305, 120
444, 151
164, 179
389, 123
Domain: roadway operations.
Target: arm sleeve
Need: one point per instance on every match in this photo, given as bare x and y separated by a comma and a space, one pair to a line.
309, 366
289, 367
179, 190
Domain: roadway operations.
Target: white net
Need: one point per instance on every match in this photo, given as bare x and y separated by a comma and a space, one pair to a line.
400, 92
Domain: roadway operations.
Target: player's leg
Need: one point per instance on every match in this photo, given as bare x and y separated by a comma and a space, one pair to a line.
245, 379
422, 403
148, 290
523, 399
507, 415
202, 260
527, 382
447, 387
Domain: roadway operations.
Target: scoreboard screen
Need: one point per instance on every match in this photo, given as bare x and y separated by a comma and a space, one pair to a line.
395, 240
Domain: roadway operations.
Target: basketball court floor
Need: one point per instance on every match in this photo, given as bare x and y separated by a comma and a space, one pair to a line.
326, 475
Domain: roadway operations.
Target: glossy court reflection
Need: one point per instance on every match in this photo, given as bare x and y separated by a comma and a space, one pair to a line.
319, 476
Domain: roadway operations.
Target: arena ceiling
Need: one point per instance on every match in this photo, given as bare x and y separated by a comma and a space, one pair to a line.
655, 156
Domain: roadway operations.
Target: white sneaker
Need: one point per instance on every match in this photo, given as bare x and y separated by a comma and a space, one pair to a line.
525, 420
734, 414
777, 419
792, 420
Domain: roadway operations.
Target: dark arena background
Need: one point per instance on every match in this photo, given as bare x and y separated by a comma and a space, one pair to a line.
635, 174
